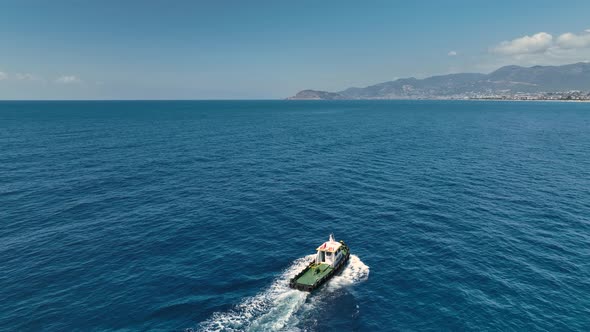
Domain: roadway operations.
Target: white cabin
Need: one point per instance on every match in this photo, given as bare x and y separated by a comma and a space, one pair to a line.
330, 252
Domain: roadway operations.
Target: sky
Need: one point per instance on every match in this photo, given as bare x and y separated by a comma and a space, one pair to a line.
269, 49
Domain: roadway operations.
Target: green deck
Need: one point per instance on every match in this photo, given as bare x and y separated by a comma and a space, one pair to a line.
314, 273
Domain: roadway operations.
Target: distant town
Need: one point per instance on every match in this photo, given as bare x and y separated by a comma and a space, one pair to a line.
573, 95
558, 96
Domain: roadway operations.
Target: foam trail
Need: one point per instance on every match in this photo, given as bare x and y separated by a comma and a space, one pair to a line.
356, 271
269, 310
274, 309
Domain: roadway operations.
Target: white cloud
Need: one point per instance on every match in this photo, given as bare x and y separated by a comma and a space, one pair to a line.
541, 49
3, 75
27, 77
68, 79
537, 43
452, 53
569, 40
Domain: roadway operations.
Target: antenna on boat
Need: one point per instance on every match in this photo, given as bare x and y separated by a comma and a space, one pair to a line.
331, 239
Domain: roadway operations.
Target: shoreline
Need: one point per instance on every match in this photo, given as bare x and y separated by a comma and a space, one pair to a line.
529, 100
449, 99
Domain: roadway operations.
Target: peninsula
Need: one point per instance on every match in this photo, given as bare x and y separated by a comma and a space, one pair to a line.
567, 82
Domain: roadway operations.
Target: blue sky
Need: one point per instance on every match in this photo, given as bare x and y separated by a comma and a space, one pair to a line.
269, 49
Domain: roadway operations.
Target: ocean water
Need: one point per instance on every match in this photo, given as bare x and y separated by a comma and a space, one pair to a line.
192, 215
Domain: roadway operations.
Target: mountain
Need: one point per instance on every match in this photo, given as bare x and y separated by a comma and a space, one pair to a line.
506, 80
317, 95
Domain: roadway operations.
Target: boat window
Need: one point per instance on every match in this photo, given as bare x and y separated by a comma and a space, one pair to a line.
328, 254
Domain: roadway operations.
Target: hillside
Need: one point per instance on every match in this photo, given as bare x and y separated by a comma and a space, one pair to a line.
505, 80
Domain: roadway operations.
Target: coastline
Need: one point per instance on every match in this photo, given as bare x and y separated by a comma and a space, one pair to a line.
445, 99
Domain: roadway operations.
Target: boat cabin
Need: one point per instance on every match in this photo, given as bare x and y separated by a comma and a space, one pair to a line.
330, 252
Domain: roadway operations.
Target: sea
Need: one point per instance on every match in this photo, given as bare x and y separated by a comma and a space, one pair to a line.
193, 215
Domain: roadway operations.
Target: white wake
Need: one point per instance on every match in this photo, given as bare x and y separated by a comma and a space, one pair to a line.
275, 308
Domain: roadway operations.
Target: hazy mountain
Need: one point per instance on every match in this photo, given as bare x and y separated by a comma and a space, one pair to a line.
315, 95
508, 79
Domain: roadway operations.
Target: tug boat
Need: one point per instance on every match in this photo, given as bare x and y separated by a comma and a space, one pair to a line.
331, 257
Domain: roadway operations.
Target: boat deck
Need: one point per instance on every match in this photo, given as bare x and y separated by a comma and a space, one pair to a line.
315, 273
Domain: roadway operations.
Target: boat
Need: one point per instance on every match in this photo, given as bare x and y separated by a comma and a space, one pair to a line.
330, 258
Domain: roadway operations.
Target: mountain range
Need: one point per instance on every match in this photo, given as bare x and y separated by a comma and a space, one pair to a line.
508, 80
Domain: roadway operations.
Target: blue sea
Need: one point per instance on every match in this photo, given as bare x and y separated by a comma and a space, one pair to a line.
193, 215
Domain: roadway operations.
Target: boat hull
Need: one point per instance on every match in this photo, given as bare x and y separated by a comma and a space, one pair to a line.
296, 282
